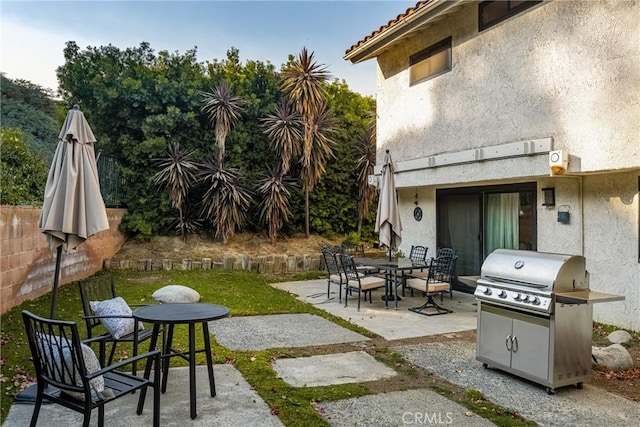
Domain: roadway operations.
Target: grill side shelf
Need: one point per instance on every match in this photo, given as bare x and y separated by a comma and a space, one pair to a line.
586, 297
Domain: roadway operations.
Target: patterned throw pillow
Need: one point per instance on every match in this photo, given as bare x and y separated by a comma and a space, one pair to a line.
117, 327
60, 350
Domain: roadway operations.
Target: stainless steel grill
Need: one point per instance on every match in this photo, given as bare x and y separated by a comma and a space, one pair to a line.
535, 316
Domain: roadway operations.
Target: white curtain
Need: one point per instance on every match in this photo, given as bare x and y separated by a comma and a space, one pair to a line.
502, 222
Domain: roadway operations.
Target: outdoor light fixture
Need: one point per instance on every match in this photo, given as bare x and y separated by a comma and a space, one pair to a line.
549, 196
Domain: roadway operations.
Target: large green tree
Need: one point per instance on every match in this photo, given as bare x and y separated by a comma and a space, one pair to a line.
139, 102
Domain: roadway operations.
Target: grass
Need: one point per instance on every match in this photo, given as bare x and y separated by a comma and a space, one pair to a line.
245, 294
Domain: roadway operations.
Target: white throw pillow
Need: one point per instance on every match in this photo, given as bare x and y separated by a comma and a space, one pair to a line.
176, 293
117, 327
50, 346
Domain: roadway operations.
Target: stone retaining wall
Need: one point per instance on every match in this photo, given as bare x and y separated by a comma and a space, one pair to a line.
268, 264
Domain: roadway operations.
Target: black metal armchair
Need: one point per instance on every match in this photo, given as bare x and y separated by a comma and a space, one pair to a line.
334, 273
356, 282
102, 288
438, 281
68, 372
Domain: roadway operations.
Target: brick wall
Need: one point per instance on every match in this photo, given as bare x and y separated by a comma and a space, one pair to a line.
27, 264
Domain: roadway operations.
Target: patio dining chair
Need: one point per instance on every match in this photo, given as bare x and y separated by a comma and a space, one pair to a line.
417, 254
438, 281
334, 273
109, 318
68, 372
356, 282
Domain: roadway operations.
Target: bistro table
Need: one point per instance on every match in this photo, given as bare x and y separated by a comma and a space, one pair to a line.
392, 267
181, 314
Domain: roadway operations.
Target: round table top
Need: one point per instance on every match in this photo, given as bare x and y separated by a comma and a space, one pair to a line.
180, 313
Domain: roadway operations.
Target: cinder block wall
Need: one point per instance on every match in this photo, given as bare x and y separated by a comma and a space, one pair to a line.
27, 264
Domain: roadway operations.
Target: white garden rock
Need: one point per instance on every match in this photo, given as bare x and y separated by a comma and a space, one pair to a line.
176, 293
619, 337
614, 357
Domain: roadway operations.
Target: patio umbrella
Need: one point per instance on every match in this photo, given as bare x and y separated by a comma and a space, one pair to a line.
388, 223
73, 209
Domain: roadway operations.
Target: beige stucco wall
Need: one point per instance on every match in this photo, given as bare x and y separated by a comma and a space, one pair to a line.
569, 71
27, 264
566, 70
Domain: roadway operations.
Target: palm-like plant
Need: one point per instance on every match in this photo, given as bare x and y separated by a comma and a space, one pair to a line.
224, 110
283, 128
225, 201
304, 82
366, 152
177, 175
274, 206
322, 128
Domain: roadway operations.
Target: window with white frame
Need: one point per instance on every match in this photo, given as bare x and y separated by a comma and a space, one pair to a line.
430, 62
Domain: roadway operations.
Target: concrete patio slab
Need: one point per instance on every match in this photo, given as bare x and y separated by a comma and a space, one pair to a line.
327, 369
455, 361
279, 330
399, 408
235, 404
389, 323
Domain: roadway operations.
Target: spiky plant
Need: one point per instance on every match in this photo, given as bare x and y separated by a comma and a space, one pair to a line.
284, 130
225, 201
304, 82
274, 204
224, 110
323, 127
177, 175
366, 152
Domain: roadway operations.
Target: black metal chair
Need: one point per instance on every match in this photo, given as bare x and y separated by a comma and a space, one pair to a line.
438, 281
68, 372
102, 288
357, 251
334, 272
355, 281
418, 254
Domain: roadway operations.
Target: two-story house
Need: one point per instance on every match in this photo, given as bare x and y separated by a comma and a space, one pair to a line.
516, 124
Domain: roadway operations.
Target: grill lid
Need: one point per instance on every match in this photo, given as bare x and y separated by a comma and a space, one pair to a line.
544, 271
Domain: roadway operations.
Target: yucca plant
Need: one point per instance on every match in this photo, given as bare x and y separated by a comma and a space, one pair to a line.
304, 83
177, 175
224, 110
274, 205
366, 152
284, 130
225, 201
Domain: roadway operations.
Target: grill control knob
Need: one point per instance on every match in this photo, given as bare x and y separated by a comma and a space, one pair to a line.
535, 301
525, 298
516, 296
487, 291
502, 294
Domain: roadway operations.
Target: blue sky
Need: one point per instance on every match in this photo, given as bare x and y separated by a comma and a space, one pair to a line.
34, 32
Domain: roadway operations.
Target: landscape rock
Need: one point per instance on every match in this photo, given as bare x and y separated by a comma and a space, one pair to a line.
613, 358
176, 293
619, 337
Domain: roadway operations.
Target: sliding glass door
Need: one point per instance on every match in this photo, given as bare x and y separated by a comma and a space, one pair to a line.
477, 220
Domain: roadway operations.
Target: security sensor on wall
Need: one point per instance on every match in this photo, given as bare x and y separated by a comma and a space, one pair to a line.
373, 180
558, 162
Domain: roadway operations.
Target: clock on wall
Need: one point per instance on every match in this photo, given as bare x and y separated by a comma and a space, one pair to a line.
417, 213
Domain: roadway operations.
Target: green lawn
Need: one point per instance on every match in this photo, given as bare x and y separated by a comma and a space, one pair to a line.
245, 294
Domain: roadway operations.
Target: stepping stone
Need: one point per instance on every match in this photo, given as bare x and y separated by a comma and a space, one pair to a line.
279, 330
327, 369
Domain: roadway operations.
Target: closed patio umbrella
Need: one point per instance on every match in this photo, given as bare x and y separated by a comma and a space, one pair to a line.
73, 209
388, 223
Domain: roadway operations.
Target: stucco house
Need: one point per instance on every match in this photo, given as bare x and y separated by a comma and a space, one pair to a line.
517, 124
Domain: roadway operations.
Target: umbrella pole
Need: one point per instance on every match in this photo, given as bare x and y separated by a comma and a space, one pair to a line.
56, 280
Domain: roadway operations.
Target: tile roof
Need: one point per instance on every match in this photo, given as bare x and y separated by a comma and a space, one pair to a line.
410, 11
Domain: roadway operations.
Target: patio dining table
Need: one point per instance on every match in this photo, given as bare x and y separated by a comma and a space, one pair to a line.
391, 267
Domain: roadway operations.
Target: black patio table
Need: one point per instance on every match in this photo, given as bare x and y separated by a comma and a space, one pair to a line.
181, 314
392, 267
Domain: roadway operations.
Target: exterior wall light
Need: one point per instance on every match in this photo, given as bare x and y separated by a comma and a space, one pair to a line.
549, 196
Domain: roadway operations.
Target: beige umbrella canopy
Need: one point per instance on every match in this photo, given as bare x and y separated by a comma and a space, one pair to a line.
388, 223
73, 209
